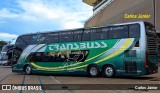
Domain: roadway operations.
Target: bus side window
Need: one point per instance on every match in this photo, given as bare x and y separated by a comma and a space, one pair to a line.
134, 31
118, 32
66, 36
99, 34
78, 35
39, 57
31, 57
86, 35
52, 37
96, 34
48, 57
105, 31
38, 39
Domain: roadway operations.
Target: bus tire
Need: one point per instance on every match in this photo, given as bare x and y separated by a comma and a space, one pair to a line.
93, 71
28, 70
108, 71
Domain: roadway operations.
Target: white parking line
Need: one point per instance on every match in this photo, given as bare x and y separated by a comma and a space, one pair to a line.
58, 82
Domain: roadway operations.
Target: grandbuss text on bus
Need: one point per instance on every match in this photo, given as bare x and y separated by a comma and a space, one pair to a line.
125, 49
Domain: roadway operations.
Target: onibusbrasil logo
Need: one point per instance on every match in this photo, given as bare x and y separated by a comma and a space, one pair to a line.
21, 87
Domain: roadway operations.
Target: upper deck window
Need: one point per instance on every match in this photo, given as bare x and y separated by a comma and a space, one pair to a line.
86, 35
66, 36
78, 35
118, 32
134, 31
52, 37
99, 34
38, 39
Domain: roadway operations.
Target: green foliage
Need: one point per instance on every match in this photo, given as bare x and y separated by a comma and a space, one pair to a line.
2, 43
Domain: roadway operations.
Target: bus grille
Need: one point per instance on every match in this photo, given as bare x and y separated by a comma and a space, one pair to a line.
131, 67
152, 44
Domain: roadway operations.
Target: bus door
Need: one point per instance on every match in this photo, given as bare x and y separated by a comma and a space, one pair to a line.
15, 56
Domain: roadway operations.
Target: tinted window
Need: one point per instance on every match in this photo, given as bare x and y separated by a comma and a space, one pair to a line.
26, 39
69, 56
66, 36
20, 43
86, 35
99, 33
52, 37
134, 31
38, 39
46, 57
31, 57
78, 35
118, 32
36, 57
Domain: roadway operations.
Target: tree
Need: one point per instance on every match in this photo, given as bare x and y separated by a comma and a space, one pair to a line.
2, 43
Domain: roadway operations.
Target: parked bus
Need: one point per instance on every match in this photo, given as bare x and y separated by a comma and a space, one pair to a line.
128, 49
158, 34
6, 56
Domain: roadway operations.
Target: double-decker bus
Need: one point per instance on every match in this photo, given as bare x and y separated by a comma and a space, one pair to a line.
125, 49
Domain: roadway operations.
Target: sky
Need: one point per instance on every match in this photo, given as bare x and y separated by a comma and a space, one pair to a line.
29, 16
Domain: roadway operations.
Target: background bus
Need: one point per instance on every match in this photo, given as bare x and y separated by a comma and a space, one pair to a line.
128, 49
6, 55
158, 34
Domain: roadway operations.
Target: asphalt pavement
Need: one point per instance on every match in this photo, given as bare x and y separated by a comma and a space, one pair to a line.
77, 83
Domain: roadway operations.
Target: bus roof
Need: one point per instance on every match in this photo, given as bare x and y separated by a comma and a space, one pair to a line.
83, 28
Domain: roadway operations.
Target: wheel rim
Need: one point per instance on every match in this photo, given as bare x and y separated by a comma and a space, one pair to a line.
93, 71
109, 71
28, 70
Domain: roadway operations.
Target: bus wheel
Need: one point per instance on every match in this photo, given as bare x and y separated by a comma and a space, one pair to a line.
93, 71
28, 70
109, 71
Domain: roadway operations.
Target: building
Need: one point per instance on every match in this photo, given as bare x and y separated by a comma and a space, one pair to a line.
119, 11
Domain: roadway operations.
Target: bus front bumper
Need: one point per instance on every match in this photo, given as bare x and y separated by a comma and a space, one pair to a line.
15, 69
